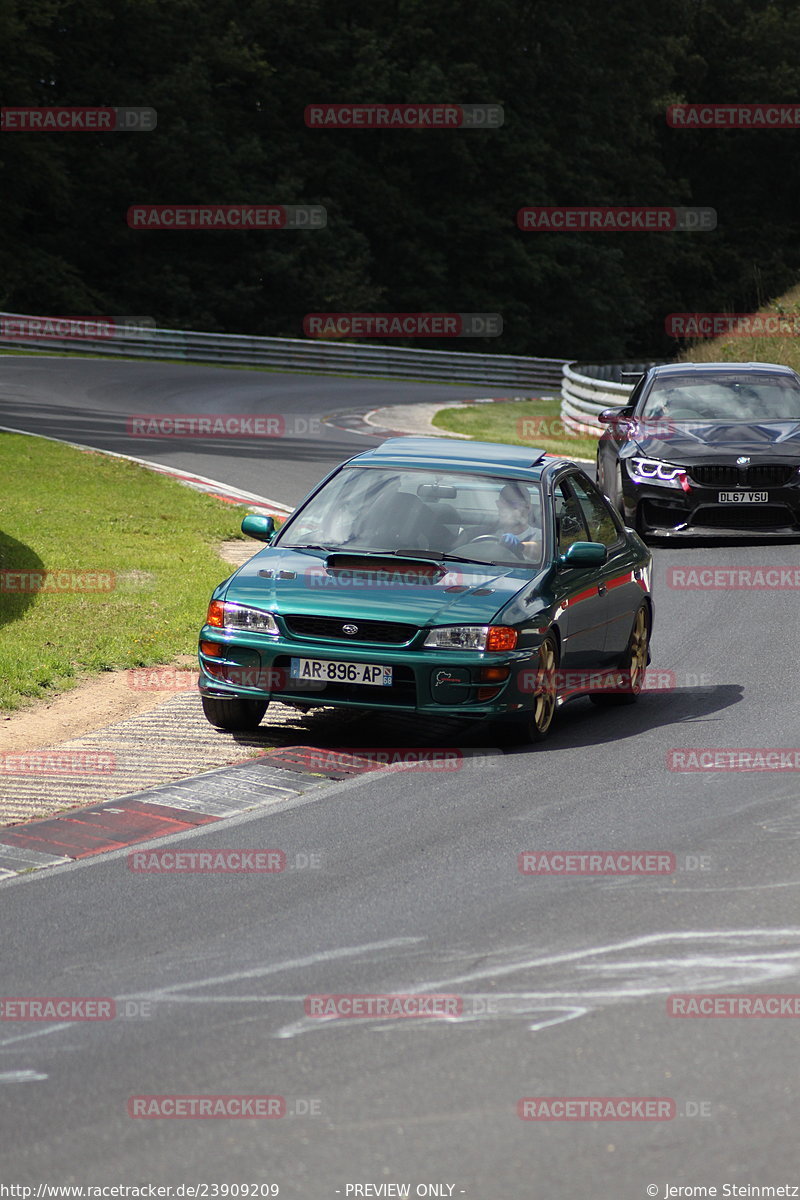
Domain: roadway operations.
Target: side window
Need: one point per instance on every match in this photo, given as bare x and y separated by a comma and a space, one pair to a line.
570, 525
601, 524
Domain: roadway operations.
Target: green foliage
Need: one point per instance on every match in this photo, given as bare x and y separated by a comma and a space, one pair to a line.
417, 221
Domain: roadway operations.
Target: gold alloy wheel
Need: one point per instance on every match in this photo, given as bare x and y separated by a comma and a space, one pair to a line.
545, 705
638, 651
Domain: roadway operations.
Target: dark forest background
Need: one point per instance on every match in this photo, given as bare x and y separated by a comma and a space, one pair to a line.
416, 220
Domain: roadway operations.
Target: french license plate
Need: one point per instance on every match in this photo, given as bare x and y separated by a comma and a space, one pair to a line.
326, 671
743, 497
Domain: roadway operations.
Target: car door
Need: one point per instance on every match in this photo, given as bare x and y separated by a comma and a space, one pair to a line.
582, 604
619, 575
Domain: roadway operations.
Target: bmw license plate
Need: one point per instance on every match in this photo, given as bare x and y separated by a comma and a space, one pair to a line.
323, 670
743, 497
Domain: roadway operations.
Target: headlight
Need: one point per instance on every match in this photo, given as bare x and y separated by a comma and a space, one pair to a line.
472, 637
236, 616
653, 470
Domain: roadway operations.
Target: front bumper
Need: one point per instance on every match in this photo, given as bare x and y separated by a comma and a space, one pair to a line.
445, 683
673, 512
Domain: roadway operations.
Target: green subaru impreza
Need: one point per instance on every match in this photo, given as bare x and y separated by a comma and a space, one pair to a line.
434, 576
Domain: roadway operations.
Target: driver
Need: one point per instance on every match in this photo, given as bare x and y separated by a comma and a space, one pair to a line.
515, 516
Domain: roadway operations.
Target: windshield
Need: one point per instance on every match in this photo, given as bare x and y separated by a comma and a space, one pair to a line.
395, 510
723, 397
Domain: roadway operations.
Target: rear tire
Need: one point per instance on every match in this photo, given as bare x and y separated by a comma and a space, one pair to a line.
633, 665
234, 715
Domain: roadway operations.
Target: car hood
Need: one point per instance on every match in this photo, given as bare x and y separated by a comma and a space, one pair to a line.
288, 581
690, 442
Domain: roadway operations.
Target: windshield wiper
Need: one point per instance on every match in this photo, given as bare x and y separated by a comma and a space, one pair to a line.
305, 546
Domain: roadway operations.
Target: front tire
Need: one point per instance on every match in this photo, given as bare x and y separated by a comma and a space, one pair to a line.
536, 725
234, 715
633, 665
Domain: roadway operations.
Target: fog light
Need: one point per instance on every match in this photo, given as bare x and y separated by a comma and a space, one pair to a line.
494, 674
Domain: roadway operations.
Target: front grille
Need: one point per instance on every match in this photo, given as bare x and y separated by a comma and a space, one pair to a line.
716, 475
390, 633
756, 476
744, 516
403, 690
769, 475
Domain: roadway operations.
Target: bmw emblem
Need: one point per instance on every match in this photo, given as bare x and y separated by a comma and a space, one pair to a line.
350, 630
742, 460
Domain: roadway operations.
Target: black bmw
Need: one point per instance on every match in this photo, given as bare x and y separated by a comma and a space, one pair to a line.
706, 448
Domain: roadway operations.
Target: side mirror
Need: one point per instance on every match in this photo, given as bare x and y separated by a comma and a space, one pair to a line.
583, 554
611, 416
259, 527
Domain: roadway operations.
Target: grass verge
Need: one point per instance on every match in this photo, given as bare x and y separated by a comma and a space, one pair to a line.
149, 540
778, 349
520, 423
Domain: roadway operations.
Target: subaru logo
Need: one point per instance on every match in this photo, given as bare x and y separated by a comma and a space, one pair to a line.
742, 460
349, 629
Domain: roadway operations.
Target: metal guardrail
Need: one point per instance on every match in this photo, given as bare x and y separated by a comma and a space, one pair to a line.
588, 388
296, 354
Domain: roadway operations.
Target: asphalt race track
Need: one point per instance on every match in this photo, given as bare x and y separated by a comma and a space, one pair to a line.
562, 982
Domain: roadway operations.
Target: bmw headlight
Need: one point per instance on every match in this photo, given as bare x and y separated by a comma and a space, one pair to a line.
654, 470
238, 616
472, 637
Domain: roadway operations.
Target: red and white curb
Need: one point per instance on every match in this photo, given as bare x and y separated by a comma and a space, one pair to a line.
200, 483
281, 774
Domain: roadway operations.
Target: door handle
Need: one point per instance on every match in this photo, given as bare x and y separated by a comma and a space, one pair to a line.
601, 589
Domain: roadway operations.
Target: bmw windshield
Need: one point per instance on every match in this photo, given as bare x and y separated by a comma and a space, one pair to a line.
723, 398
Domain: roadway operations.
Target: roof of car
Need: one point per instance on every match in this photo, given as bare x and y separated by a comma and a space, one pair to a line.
451, 453
710, 368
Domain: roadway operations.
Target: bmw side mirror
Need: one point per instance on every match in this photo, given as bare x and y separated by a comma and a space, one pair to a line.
259, 527
584, 554
611, 416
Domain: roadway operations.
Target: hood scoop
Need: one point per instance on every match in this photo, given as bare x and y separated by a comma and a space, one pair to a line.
403, 569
